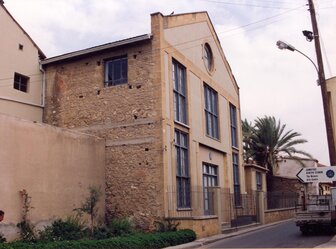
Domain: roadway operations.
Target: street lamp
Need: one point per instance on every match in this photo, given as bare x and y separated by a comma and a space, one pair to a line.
325, 99
283, 45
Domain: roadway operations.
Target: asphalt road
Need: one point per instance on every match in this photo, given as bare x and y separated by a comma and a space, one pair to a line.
283, 235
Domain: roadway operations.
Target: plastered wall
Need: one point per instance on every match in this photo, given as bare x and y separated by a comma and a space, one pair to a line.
55, 167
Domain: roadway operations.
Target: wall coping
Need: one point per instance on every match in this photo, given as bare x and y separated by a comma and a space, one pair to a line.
204, 217
279, 209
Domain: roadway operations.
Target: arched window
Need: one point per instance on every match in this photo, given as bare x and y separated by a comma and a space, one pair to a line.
208, 57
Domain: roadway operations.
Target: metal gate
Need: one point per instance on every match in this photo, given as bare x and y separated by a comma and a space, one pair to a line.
239, 210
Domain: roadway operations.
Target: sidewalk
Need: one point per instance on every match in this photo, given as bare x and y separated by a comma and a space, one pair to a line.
330, 244
205, 241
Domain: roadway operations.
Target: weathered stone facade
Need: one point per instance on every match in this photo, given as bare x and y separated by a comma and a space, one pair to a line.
138, 122
127, 116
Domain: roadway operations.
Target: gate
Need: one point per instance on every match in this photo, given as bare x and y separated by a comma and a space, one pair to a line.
240, 210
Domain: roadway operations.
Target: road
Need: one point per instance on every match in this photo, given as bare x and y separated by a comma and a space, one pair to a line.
283, 235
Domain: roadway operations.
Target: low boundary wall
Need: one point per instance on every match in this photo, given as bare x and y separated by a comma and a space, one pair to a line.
275, 215
55, 166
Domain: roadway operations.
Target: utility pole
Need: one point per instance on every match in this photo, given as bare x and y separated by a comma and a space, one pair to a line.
322, 83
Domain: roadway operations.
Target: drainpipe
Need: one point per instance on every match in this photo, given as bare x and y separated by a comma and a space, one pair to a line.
43, 85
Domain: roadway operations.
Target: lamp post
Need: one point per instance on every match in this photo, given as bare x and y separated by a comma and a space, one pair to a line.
283, 45
325, 99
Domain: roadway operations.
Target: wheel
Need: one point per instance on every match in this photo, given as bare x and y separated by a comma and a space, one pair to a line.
304, 230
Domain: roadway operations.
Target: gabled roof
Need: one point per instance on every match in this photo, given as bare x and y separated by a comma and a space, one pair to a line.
41, 54
99, 48
216, 38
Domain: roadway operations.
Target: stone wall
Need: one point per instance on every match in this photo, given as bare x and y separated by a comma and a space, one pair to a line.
203, 227
279, 215
128, 116
286, 185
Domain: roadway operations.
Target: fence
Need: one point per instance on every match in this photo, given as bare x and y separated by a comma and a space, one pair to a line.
196, 202
202, 202
279, 200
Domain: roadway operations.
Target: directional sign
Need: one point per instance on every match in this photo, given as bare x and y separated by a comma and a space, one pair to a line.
320, 174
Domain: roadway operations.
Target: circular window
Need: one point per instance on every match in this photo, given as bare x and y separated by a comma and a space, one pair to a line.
208, 57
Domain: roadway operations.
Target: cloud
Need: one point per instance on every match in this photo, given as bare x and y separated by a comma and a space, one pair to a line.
272, 82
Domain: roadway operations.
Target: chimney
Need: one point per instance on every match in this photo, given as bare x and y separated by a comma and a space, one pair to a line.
2, 2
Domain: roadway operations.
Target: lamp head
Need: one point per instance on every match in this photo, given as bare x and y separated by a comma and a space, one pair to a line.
284, 45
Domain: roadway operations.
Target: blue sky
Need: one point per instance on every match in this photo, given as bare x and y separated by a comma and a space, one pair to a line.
271, 81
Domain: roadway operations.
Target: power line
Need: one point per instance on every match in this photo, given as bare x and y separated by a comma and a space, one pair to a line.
245, 5
210, 36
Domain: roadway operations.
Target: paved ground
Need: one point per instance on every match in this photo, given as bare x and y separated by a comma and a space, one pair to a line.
203, 243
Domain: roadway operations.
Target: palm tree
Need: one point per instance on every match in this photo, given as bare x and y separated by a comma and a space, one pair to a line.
267, 140
247, 140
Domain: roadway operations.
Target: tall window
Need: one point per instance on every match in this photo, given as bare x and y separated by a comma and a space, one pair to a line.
182, 170
236, 179
233, 124
21, 82
180, 103
258, 180
211, 111
210, 179
116, 71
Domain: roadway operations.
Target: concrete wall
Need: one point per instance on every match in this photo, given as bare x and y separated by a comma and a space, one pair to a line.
331, 88
188, 50
24, 61
53, 165
251, 178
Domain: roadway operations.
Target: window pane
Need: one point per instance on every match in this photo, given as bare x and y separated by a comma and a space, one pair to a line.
20, 82
182, 170
236, 179
211, 112
116, 71
180, 101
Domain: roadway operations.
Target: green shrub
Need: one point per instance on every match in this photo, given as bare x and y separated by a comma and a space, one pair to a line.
26, 231
2, 238
166, 225
137, 241
117, 227
70, 229
89, 206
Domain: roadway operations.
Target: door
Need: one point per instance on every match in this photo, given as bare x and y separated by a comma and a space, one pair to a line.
210, 179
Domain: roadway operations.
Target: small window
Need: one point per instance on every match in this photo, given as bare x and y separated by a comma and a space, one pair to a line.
21, 82
116, 71
208, 57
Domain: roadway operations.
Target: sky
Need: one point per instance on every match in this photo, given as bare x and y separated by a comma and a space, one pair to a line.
272, 82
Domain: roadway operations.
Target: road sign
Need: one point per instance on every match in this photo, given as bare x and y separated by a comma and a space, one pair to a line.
320, 174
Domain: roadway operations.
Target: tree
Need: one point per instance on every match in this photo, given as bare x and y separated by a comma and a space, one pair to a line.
267, 140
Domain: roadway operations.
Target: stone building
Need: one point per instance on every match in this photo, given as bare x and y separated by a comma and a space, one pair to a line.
168, 107
21, 78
